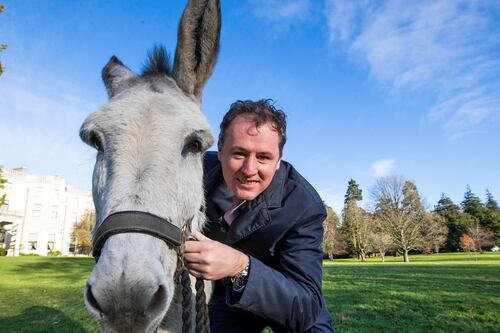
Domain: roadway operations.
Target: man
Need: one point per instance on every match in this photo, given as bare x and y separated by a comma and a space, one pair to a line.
262, 242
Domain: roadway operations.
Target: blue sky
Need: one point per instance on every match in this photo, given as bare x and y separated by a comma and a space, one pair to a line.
370, 88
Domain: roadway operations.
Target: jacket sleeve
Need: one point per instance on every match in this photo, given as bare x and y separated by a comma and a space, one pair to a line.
290, 296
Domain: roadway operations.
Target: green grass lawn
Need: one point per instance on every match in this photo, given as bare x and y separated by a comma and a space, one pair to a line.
437, 293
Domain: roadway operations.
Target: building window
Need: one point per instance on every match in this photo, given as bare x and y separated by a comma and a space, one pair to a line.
32, 242
57, 192
50, 242
53, 214
5, 207
37, 210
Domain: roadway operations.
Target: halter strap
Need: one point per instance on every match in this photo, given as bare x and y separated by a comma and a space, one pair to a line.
138, 222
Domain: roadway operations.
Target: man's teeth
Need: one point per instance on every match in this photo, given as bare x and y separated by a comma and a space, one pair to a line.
247, 181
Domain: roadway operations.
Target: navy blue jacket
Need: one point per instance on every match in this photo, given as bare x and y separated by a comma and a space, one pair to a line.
281, 231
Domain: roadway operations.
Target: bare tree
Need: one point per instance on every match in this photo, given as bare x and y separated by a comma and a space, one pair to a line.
400, 210
434, 232
481, 236
380, 240
330, 232
357, 227
82, 232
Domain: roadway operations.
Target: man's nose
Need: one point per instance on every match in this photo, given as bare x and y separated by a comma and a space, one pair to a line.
250, 166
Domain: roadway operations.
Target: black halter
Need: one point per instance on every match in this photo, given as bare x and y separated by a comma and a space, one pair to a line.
135, 221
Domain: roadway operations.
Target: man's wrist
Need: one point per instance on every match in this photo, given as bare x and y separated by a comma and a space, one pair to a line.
239, 279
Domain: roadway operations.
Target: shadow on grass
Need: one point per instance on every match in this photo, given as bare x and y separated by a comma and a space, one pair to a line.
70, 269
38, 319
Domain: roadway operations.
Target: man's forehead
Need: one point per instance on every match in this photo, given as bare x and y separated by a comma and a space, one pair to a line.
249, 124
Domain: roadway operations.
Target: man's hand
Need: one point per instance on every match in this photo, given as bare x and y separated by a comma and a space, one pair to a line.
212, 260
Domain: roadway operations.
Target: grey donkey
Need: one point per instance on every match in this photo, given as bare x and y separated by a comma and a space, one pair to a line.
150, 138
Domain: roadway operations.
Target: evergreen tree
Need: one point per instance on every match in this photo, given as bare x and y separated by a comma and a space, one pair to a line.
485, 217
353, 192
457, 222
472, 204
491, 203
356, 222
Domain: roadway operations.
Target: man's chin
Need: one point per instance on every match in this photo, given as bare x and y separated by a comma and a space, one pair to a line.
247, 195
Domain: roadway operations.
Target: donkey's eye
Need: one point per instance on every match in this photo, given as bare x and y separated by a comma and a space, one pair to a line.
193, 146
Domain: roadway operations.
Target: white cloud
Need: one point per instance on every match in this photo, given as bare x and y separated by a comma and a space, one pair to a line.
383, 168
282, 13
446, 47
40, 119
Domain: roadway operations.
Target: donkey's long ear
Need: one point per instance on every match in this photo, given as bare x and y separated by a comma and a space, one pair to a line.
197, 45
115, 76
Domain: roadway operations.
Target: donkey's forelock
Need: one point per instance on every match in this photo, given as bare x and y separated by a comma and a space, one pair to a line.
158, 63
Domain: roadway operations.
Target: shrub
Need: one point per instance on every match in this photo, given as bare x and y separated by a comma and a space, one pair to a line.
28, 254
3, 251
467, 243
55, 253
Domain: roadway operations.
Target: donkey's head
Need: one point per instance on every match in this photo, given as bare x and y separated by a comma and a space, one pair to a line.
149, 138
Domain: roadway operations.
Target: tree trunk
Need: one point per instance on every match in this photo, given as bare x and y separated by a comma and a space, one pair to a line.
405, 256
362, 255
382, 255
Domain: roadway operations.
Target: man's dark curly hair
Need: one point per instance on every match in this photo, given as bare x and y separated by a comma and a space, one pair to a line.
262, 111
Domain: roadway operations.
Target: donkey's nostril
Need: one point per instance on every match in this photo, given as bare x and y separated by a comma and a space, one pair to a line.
158, 302
91, 301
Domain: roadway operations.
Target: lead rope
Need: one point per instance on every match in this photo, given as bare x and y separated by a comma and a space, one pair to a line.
182, 277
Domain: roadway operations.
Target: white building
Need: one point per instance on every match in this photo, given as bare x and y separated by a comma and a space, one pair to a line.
39, 213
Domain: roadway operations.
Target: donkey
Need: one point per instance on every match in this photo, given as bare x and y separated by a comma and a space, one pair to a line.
150, 138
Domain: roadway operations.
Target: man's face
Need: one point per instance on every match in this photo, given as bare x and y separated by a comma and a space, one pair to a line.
249, 156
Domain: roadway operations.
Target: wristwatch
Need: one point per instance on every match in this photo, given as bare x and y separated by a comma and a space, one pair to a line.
240, 279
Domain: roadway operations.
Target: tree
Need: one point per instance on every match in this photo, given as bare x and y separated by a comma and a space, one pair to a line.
491, 203
466, 243
353, 192
82, 232
2, 186
330, 237
380, 240
481, 236
356, 221
488, 218
457, 223
472, 204
2, 46
434, 232
401, 212
357, 228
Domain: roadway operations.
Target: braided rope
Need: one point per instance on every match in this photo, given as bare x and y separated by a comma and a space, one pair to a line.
202, 323
186, 302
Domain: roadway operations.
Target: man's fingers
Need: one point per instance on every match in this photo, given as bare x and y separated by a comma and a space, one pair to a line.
199, 236
194, 246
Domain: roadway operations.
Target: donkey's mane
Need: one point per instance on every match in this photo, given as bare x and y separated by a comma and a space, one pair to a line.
158, 63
